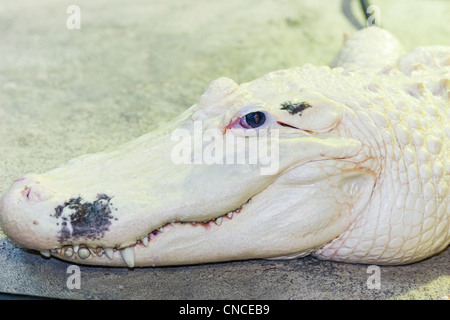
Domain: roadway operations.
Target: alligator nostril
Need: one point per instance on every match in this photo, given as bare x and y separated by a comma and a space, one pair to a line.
36, 192
27, 192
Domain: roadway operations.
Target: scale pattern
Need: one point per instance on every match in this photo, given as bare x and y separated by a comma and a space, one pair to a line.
407, 134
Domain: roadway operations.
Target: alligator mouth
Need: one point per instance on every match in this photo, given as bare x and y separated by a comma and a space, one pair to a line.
84, 252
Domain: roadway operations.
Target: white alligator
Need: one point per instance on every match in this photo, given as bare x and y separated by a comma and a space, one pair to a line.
362, 174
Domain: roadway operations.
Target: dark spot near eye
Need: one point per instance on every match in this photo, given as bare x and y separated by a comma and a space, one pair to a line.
294, 108
87, 219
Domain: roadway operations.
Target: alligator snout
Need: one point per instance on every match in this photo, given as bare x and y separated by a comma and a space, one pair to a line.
24, 190
25, 211
31, 188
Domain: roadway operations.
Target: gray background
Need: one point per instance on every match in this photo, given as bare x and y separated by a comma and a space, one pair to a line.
133, 65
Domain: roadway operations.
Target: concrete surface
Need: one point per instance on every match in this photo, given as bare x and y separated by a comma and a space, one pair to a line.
66, 92
308, 278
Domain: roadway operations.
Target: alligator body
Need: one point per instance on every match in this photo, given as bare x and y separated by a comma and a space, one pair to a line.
357, 169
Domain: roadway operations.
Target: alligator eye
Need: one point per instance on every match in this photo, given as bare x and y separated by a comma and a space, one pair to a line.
253, 120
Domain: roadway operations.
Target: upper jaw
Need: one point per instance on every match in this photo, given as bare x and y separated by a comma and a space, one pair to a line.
107, 220
143, 251
55, 226
101, 209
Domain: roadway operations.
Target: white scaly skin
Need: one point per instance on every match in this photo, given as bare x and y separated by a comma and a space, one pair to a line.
363, 173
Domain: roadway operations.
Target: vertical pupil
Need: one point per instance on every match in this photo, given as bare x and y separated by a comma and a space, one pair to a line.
255, 119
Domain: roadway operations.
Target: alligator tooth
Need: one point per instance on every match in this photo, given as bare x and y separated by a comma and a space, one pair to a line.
92, 251
68, 252
128, 256
161, 229
219, 221
193, 223
145, 241
45, 253
230, 215
109, 252
99, 251
75, 248
83, 253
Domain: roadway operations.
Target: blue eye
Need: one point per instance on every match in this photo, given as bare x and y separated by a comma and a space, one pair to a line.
254, 119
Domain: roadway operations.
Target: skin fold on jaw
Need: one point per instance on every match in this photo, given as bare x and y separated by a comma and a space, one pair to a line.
339, 176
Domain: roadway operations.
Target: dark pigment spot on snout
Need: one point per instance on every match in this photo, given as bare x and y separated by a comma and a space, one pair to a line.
84, 219
294, 108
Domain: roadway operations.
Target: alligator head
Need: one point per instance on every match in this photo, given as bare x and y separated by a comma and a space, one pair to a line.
292, 163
